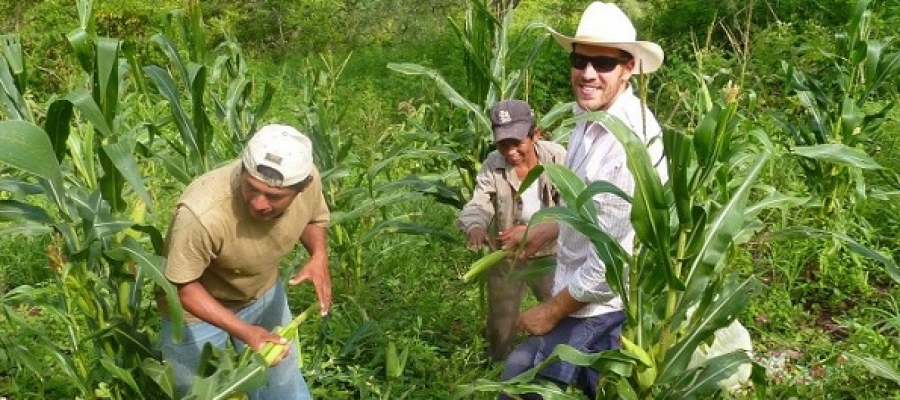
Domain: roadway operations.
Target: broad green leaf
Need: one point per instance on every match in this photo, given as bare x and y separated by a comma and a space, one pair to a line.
27, 147
610, 361
153, 266
724, 306
13, 210
171, 51
838, 154
27, 229
80, 41
650, 213
595, 188
19, 188
678, 147
82, 101
704, 137
161, 373
58, 125
108, 76
169, 90
202, 126
608, 249
876, 366
703, 382
122, 156
718, 235
449, 92
13, 78
119, 373
568, 184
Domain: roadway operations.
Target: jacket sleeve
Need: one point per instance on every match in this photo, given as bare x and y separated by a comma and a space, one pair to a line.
479, 210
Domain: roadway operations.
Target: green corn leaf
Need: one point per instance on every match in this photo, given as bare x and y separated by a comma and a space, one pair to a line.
27, 147
703, 382
719, 309
838, 154
449, 92
13, 210
122, 156
108, 76
718, 235
166, 86
876, 366
152, 266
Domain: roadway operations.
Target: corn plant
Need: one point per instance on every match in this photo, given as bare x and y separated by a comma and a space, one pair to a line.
81, 161
839, 112
488, 45
204, 140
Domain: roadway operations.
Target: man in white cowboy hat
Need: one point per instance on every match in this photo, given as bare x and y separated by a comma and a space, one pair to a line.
231, 229
584, 312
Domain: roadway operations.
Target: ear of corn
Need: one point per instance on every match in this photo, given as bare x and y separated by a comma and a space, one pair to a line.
483, 264
271, 350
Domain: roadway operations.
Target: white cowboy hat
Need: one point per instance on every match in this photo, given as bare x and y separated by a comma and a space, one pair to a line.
604, 24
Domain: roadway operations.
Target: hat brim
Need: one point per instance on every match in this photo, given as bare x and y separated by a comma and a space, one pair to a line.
648, 56
516, 130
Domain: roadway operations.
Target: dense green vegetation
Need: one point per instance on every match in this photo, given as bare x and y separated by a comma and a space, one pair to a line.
109, 108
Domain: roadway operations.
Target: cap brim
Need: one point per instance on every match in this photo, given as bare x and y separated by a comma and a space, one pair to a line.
516, 130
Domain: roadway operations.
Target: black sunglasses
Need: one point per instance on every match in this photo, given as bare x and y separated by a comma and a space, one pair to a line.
600, 63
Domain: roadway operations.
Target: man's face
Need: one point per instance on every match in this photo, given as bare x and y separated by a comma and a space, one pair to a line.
517, 151
595, 89
265, 202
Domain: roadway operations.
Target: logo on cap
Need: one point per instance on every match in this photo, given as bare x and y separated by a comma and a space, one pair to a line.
504, 116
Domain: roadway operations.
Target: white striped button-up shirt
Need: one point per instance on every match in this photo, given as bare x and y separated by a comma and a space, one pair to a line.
595, 154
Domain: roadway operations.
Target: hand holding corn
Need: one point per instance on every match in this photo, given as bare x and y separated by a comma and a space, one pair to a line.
275, 351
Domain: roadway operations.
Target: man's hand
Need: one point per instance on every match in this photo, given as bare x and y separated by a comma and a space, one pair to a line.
538, 320
537, 237
256, 337
542, 318
477, 238
316, 271
510, 238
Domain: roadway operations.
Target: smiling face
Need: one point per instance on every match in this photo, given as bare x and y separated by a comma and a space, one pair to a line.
519, 152
264, 202
595, 90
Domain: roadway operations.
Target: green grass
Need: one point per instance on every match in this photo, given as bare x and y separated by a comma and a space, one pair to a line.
410, 293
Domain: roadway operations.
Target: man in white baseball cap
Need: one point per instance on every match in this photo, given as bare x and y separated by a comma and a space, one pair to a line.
584, 312
231, 229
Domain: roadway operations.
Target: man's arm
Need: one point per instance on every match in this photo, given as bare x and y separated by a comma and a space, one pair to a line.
196, 300
314, 239
538, 237
541, 318
475, 216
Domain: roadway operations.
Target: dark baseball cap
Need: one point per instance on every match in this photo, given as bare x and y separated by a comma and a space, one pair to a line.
511, 119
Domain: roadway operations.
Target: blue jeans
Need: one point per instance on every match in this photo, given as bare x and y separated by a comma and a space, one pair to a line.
587, 335
285, 381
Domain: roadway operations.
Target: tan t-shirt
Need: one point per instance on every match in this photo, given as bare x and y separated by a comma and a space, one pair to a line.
213, 239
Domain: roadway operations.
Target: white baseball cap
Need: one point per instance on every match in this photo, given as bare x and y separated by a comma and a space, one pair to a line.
281, 148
